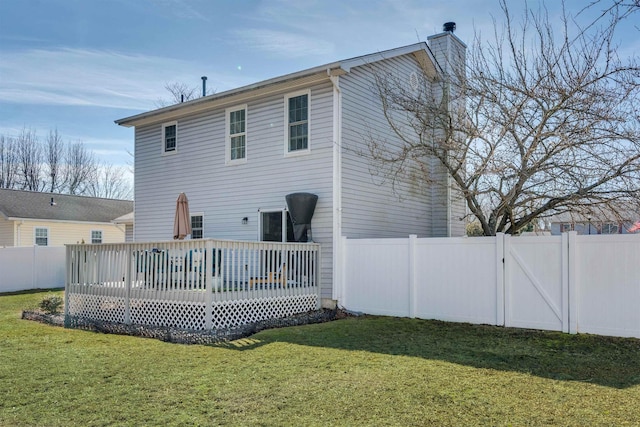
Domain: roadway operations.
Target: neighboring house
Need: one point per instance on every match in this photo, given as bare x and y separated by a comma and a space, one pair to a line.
591, 225
237, 154
126, 221
46, 219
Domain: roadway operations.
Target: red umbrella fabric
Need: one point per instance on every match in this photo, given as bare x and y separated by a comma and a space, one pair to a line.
182, 221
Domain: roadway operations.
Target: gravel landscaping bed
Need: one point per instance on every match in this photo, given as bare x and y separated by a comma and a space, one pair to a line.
182, 336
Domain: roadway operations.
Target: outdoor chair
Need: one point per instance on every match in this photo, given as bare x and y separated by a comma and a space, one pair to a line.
276, 278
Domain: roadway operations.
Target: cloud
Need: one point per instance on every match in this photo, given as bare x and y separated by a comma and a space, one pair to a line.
284, 44
92, 78
182, 9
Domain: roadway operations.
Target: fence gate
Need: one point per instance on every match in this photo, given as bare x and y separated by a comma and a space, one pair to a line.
536, 284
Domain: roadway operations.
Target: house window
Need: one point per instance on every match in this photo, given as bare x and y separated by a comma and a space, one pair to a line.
170, 137
197, 226
236, 124
297, 113
41, 236
276, 226
96, 236
609, 228
564, 228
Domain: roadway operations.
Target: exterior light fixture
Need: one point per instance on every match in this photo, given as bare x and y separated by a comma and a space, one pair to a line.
245, 220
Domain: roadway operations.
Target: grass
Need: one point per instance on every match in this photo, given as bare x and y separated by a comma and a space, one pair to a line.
356, 371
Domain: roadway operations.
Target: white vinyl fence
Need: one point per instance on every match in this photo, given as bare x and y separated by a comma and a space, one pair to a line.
33, 267
569, 283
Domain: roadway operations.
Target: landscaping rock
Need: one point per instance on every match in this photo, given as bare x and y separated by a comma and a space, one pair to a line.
184, 336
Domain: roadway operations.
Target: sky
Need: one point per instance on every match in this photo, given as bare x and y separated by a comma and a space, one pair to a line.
78, 65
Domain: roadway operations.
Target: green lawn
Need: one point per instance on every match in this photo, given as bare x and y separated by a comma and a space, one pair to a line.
357, 371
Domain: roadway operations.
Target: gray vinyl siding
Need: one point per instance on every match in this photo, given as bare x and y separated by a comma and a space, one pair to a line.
225, 194
371, 206
448, 208
128, 233
6, 232
458, 214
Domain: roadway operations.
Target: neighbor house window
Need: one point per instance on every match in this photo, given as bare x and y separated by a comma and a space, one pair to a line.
197, 226
609, 228
41, 236
297, 120
236, 125
170, 137
96, 236
566, 228
276, 226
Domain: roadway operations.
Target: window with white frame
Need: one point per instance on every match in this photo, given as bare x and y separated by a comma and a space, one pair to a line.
566, 227
276, 226
96, 236
610, 228
297, 122
169, 137
41, 236
197, 226
236, 125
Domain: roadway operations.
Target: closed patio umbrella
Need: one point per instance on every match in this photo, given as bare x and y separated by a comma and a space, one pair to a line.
182, 221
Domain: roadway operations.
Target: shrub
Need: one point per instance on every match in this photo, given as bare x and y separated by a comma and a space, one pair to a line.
51, 304
474, 229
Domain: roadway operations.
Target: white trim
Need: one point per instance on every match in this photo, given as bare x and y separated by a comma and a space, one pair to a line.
338, 242
35, 235
163, 145
288, 96
227, 135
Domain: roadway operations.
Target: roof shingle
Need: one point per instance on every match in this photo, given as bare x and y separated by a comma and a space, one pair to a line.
35, 205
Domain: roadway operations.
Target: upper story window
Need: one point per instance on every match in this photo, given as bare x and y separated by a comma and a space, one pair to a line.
236, 125
197, 226
297, 113
96, 236
169, 137
41, 236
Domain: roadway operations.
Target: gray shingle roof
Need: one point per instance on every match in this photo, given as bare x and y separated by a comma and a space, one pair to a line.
34, 205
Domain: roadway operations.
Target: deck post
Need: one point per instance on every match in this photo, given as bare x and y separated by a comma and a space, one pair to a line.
318, 277
127, 284
208, 284
67, 281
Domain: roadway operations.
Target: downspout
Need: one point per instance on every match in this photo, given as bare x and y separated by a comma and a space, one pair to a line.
17, 237
338, 253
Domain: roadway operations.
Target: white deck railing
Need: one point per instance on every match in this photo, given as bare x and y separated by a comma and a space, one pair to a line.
193, 284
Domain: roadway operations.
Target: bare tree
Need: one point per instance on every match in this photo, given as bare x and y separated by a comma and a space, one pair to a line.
54, 156
80, 168
29, 153
109, 182
29, 164
179, 92
9, 166
537, 123
618, 9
